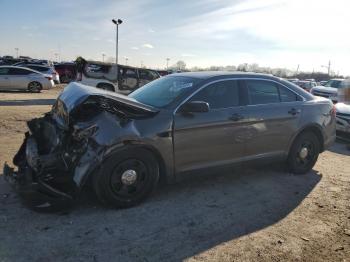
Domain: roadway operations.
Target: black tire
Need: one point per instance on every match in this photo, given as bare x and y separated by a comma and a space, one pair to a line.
35, 87
297, 162
108, 183
106, 87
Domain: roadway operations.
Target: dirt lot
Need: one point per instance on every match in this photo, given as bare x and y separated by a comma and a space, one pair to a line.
261, 214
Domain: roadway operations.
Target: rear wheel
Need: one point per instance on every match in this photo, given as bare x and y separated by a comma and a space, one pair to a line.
126, 178
303, 153
34, 87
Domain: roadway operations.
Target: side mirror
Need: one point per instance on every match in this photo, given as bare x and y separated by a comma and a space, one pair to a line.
195, 107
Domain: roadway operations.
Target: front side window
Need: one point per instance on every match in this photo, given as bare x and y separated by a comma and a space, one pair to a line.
262, 92
287, 95
223, 94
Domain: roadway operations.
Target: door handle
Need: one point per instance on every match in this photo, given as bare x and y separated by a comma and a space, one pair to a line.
294, 111
236, 117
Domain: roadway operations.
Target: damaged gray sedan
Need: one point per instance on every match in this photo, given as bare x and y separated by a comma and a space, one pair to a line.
123, 145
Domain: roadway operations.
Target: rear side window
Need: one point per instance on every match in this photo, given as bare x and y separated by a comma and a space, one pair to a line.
39, 68
262, 92
223, 94
19, 71
265, 92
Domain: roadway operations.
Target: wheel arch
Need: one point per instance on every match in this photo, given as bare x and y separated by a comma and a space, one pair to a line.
314, 128
95, 169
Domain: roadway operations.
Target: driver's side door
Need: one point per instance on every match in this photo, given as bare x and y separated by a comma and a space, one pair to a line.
211, 138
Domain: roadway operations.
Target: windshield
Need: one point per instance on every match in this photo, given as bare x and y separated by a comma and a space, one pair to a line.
164, 91
333, 83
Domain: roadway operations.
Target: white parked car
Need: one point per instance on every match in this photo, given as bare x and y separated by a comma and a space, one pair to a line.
47, 70
329, 90
106, 76
343, 120
21, 78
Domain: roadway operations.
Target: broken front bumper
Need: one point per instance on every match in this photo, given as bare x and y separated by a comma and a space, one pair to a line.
33, 190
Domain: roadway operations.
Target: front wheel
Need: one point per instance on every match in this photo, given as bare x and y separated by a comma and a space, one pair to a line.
303, 153
126, 178
34, 87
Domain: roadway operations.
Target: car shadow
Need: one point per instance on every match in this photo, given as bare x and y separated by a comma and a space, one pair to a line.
27, 102
340, 147
177, 222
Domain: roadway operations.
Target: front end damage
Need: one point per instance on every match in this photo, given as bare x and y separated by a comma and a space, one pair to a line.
62, 149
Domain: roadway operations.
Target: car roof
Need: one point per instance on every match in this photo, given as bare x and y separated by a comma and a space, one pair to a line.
20, 67
212, 74
48, 67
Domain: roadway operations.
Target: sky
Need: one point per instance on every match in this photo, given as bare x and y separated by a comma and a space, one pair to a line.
203, 33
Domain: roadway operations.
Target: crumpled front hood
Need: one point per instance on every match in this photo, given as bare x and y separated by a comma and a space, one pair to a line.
75, 94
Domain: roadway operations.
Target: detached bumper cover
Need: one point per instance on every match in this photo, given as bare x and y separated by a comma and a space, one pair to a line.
33, 191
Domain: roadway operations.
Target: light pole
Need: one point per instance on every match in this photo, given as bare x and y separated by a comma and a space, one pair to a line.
103, 57
167, 63
17, 51
56, 56
117, 23
126, 60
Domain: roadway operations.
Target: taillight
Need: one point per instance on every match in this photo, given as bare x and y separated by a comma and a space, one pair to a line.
48, 77
79, 76
334, 111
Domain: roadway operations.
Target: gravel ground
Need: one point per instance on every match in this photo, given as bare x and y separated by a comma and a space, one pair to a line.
247, 214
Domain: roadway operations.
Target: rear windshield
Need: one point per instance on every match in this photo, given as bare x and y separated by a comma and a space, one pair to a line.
164, 91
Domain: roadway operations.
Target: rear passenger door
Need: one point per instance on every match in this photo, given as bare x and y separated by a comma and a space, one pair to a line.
130, 79
146, 76
215, 137
19, 78
273, 117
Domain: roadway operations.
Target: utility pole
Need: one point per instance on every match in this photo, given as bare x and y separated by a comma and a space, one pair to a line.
328, 67
167, 63
17, 51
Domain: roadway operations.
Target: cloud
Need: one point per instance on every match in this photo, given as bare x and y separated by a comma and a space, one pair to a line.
188, 55
134, 48
150, 30
96, 39
148, 46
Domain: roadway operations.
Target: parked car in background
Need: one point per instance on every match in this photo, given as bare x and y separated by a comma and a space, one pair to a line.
163, 72
66, 71
20, 78
306, 84
329, 90
172, 126
343, 121
45, 70
322, 83
112, 78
